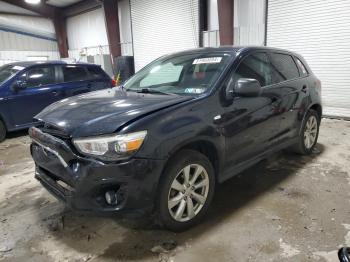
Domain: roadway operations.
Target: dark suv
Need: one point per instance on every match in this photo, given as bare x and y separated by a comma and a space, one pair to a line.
180, 125
26, 88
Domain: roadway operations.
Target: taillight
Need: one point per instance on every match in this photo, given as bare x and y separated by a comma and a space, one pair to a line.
318, 86
113, 82
318, 83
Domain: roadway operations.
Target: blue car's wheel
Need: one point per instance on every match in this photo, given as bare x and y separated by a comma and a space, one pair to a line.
2, 131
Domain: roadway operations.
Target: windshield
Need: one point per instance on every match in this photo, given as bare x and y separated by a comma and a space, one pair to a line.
189, 74
7, 71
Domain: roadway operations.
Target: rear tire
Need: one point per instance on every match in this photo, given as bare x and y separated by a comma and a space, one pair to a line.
308, 134
186, 190
2, 131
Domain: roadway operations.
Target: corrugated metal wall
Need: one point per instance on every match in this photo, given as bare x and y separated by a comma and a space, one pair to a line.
249, 22
37, 24
160, 27
213, 19
125, 27
320, 31
10, 41
87, 30
87, 38
23, 37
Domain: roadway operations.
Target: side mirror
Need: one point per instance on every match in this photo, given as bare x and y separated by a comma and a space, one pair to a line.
19, 85
247, 87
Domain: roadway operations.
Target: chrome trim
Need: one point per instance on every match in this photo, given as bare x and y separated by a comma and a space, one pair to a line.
52, 151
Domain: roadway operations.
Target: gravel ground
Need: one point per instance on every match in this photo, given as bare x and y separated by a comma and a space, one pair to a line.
287, 208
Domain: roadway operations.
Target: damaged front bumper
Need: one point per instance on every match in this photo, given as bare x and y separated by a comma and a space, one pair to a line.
83, 182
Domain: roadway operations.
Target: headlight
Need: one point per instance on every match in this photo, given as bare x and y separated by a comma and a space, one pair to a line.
110, 147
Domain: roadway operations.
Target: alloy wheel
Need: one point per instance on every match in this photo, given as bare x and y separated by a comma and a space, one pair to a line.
188, 192
310, 132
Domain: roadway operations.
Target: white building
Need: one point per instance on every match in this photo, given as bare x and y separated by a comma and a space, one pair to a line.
149, 29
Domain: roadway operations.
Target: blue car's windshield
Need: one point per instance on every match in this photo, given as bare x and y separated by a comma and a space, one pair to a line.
7, 71
189, 74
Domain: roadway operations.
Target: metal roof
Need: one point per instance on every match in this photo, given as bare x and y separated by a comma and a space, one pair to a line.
50, 62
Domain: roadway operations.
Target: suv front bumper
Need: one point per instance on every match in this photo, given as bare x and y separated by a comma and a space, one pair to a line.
82, 182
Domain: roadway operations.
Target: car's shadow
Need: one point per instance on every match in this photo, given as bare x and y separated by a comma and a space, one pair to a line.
235, 193
16, 134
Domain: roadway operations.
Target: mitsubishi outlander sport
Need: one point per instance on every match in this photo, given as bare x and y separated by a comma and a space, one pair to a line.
187, 121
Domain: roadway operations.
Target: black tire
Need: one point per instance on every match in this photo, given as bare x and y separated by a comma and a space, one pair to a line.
2, 131
177, 163
301, 147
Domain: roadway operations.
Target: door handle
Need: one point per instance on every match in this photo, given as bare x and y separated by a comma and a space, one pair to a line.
304, 88
275, 101
55, 93
89, 85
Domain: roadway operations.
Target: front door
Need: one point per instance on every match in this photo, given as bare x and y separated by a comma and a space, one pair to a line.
37, 92
249, 123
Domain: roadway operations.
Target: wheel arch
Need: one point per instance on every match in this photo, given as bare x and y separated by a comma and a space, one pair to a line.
2, 119
203, 146
317, 108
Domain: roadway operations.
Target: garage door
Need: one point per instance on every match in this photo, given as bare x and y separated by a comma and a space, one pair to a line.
320, 31
160, 27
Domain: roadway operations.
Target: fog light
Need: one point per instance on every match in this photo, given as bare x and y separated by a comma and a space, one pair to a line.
111, 197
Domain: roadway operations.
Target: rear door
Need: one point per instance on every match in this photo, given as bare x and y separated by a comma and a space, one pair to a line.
98, 78
39, 90
74, 80
293, 89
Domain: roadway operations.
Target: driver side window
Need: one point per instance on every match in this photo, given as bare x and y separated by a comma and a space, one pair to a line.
255, 66
38, 76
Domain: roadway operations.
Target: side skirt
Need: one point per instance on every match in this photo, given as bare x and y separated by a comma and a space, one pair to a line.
231, 172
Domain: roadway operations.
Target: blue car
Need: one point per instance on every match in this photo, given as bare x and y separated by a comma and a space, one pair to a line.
28, 87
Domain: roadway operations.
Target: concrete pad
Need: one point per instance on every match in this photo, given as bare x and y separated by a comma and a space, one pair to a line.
287, 208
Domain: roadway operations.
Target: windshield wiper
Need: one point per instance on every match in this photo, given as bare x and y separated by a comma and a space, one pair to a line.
151, 91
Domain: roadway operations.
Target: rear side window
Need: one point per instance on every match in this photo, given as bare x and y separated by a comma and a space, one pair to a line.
256, 66
74, 73
302, 68
39, 76
95, 72
284, 67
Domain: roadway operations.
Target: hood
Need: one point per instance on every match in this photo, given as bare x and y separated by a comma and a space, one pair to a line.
103, 112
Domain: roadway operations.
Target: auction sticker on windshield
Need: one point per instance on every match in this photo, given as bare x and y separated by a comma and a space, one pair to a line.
207, 60
194, 90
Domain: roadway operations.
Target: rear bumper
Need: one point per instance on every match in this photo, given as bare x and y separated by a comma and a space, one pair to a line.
82, 182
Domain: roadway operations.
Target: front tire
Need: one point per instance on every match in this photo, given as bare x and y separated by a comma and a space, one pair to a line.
186, 190
2, 131
308, 134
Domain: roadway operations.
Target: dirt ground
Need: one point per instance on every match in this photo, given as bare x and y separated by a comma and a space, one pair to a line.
287, 208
